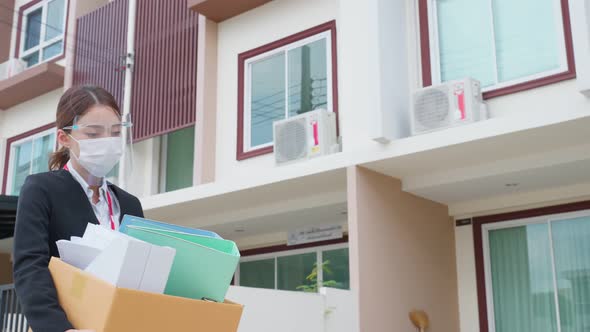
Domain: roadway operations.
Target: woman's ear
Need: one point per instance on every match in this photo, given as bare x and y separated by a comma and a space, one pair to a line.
63, 138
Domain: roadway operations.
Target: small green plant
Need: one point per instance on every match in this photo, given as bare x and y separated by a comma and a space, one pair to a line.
312, 279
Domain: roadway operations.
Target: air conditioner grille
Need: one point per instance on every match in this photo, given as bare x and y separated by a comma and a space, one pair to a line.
291, 141
431, 107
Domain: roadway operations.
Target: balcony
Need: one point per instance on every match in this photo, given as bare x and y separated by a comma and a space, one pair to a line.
30, 83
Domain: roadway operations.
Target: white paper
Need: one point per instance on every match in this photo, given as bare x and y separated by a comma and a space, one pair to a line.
76, 254
119, 259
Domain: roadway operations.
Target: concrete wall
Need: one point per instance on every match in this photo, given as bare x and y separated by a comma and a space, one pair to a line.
341, 314
402, 255
330, 310
272, 310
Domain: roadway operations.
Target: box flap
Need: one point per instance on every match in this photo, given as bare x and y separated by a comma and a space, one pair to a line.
86, 300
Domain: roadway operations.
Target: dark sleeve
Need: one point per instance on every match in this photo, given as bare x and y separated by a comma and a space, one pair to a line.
139, 207
33, 283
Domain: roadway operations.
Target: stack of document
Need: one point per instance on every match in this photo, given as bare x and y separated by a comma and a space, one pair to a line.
204, 263
119, 259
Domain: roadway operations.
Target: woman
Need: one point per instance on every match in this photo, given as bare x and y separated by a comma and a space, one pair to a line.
59, 204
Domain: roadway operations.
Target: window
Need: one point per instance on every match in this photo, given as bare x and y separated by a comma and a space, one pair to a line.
537, 273
508, 46
288, 270
177, 153
28, 156
42, 28
284, 79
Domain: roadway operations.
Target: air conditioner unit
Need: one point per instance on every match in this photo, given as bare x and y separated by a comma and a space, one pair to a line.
305, 136
11, 68
447, 105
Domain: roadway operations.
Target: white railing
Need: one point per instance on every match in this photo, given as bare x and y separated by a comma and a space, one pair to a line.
330, 310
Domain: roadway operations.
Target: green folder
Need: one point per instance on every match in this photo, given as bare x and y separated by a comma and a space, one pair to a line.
203, 266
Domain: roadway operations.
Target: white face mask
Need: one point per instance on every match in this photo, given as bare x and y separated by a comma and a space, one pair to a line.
99, 155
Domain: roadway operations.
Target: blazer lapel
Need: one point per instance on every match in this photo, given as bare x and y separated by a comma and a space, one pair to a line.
122, 206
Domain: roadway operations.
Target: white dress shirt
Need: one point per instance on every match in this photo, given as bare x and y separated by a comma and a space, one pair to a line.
101, 209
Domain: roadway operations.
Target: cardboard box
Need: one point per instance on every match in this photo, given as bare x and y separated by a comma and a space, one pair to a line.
91, 303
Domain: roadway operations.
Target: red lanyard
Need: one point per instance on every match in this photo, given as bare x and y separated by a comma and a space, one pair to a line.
109, 203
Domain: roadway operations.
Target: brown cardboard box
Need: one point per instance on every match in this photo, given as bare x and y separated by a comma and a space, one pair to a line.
91, 303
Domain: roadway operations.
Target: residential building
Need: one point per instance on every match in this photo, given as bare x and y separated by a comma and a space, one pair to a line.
482, 225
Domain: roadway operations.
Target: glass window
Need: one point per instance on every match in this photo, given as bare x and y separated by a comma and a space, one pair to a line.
308, 78
571, 246
260, 274
291, 80
336, 269
33, 30
522, 279
27, 157
490, 41
540, 276
292, 271
296, 270
178, 159
268, 97
43, 32
55, 19
52, 50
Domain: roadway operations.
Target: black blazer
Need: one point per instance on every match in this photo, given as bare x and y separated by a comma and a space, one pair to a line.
51, 206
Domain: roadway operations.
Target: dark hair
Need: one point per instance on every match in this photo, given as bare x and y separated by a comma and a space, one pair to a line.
76, 101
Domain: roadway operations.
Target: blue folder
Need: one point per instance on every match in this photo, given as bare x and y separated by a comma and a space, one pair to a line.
142, 222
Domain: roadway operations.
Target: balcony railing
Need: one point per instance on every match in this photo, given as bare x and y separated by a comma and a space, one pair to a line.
11, 317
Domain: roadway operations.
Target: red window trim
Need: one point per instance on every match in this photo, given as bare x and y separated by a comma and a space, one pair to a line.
242, 57
478, 223
20, 28
284, 247
570, 73
13, 139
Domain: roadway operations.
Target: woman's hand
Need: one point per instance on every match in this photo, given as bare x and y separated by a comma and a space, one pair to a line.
80, 331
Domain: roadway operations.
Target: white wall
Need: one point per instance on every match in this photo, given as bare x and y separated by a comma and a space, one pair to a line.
145, 173
26, 116
466, 280
29, 115
330, 310
272, 310
341, 312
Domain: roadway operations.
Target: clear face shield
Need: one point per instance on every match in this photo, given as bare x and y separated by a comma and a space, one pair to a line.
106, 147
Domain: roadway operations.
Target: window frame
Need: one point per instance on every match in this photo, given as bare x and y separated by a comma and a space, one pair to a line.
24, 11
482, 225
318, 250
430, 60
245, 59
13, 142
